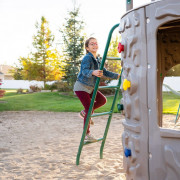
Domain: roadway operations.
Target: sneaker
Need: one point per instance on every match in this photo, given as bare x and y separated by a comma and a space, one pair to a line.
82, 114
90, 138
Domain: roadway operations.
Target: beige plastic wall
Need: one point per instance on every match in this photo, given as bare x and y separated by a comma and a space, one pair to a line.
135, 136
151, 39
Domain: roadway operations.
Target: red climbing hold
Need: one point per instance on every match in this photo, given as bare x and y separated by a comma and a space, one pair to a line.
120, 47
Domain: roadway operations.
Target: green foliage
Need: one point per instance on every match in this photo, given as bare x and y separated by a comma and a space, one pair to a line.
50, 87
63, 86
73, 38
114, 65
20, 91
17, 73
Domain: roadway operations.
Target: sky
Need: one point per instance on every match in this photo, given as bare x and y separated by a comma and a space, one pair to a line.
18, 18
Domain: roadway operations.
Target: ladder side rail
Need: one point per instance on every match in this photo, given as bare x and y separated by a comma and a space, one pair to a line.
110, 117
87, 121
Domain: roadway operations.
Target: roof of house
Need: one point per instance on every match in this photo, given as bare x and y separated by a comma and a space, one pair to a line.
4, 69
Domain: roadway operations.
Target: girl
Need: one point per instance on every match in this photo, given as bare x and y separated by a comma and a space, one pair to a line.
86, 80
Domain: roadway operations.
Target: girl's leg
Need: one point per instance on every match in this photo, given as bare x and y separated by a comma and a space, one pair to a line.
85, 99
99, 101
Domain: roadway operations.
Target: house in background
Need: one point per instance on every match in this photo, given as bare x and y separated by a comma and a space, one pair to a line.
5, 73
1, 76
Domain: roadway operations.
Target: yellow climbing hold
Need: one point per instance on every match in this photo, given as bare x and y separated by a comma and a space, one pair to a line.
126, 84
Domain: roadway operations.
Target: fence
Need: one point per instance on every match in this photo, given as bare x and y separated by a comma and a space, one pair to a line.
23, 84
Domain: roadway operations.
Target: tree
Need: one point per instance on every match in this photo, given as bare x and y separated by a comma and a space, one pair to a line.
114, 65
17, 73
43, 64
73, 45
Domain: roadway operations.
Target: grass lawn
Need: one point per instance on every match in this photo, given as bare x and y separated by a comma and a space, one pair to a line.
49, 101
170, 103
59, 102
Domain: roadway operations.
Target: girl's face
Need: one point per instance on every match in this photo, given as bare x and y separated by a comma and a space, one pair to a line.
92, 46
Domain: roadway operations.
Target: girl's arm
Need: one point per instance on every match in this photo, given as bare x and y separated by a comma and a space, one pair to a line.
110, 74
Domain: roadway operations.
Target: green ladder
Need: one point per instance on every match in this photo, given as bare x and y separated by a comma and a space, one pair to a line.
82, 143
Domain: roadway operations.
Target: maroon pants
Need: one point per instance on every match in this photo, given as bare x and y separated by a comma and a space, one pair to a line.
85, 99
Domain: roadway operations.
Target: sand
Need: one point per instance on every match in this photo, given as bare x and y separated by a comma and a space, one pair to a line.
44, 145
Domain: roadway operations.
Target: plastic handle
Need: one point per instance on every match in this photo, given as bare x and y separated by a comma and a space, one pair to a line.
126, 84
120, 47
127, 152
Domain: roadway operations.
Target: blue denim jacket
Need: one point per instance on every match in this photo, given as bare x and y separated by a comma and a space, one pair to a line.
88, 65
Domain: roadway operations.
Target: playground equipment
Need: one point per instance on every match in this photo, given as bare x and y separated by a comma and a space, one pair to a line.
150, 47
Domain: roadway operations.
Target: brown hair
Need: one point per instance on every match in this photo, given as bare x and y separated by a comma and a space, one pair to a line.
87, 43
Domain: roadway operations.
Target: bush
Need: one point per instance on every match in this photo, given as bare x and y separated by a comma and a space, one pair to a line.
62, 86
35, 88
20, 91
2, 92
50, 87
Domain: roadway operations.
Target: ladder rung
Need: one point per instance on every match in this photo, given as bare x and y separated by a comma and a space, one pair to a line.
100, 139
107, 87
113, 58
101, 114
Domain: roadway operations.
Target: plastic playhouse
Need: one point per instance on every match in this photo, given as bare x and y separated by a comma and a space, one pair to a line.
150, 46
